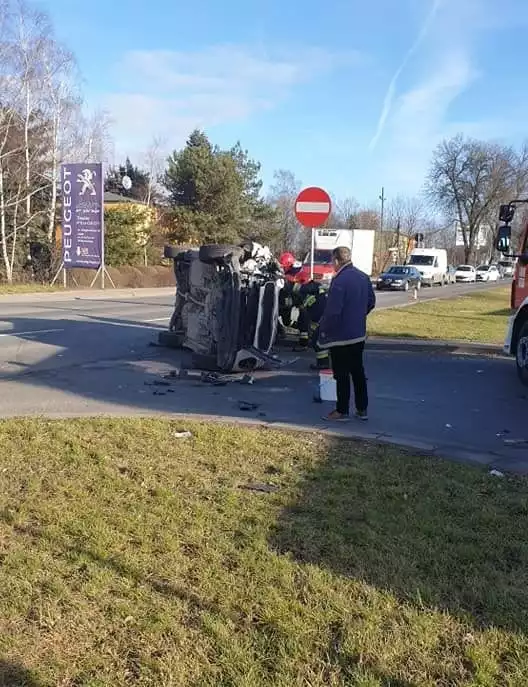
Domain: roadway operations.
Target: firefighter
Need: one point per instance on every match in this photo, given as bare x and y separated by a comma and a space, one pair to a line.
290, 267
312, 300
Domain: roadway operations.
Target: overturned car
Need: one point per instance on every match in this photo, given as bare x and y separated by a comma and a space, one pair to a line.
227, 305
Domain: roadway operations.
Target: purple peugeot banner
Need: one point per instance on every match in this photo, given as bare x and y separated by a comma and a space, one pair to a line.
82, 215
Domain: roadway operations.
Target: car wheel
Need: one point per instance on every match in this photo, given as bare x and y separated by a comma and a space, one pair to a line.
172, 252
214, 252
521, 354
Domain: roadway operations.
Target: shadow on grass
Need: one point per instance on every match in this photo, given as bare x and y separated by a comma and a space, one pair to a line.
14, 675
504, 312
433, 534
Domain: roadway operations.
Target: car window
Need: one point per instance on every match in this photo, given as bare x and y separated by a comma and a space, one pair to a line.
421, 260
483, 268
464, 268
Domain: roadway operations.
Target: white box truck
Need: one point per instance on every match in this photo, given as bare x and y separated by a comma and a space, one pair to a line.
432, 265
360, 242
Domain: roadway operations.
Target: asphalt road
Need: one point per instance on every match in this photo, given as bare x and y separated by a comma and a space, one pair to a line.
92, 356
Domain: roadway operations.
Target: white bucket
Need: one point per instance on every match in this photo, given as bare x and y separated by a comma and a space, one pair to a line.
327, 386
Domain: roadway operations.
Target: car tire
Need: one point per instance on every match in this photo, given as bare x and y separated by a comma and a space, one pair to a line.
521, 354
171, 252
213, 253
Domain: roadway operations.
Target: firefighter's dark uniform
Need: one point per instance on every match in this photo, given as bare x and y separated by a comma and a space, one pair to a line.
288, 295
312, 300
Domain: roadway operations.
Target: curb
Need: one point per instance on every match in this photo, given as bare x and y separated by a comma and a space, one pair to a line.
86, 294
435, 346
452, 452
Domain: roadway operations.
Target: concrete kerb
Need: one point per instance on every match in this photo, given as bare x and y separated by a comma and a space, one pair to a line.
349, 431
86, 294
435, 346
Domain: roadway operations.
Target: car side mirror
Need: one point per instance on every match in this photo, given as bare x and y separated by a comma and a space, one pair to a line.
503, 242
506, 213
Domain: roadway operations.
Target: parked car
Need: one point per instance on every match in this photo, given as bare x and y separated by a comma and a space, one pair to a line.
451, 274
487, 273
507, 267
465, 274
399, 278
227, 305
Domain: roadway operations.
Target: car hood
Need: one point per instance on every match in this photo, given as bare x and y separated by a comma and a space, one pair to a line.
394, 276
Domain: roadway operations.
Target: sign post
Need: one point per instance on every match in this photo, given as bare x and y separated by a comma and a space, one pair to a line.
83, 220
312, 208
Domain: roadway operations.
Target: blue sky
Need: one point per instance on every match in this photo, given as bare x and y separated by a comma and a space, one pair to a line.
349, 95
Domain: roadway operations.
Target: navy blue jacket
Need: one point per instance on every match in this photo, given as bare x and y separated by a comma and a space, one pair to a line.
350, 299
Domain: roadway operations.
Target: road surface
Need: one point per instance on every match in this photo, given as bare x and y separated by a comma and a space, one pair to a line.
89, 356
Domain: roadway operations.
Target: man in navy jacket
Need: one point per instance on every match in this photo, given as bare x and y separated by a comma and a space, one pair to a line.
343, 330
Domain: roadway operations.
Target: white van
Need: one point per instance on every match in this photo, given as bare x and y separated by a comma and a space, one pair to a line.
432, 265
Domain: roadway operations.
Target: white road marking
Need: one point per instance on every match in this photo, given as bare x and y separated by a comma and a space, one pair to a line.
158, 319
32, 333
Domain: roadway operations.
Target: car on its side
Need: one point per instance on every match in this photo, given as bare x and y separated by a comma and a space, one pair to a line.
399, 278
487, 273
466, 274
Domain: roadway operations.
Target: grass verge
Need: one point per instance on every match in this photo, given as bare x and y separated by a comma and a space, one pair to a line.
479, 317
130, 556
9, 289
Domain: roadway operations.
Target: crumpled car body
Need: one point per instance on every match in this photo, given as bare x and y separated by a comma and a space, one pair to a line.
227, 304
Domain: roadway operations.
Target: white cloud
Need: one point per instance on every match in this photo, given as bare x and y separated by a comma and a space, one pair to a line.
422, 115
168, 93
391, 90
419, 119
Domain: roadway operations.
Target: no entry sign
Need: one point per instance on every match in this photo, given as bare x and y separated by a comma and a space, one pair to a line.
313, 207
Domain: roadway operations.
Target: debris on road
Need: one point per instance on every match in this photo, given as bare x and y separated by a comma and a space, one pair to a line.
248, 406
214, 379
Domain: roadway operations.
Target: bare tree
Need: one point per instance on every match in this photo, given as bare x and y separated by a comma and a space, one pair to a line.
468, 179
31, 38
406, 216
155, 164
282, 197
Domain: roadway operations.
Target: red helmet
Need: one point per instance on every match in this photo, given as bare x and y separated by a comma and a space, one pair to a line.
287, 260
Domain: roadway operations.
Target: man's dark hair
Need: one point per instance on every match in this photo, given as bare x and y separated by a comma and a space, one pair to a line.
342, 254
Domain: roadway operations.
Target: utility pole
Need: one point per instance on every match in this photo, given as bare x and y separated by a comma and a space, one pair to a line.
382, 199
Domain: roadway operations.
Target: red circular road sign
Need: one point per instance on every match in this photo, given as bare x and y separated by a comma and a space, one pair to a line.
313, 207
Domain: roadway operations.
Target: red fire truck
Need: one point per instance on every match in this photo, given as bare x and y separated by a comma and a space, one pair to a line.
516, 343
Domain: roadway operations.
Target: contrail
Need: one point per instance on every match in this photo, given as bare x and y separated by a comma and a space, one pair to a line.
389, 95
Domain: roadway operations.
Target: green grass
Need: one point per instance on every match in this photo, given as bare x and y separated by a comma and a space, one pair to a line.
480, 317
130, 557
9, 289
